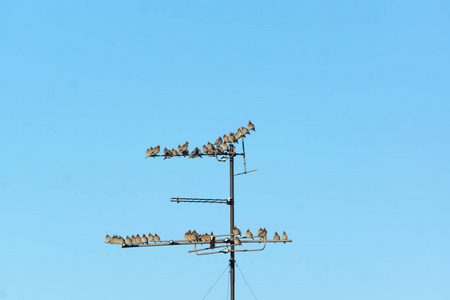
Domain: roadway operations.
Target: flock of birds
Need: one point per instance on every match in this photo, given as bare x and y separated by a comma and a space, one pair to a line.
192, 236
220, 147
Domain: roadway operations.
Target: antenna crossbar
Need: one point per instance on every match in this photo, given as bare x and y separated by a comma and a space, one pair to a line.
199, 200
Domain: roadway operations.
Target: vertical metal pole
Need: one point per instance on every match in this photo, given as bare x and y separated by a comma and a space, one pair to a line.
232, 278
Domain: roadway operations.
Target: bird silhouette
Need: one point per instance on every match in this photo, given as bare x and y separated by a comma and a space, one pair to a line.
128, 240
237, 241
157, 238
249, 234
150, 237
276, 237
144, 239
284, 236
107, 239
251, 126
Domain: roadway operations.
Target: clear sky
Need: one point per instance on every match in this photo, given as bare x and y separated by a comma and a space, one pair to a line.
352, 111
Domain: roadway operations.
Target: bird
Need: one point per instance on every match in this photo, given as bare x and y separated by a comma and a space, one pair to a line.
174, 152
236, 231
251, 126
167, 153
244, 130
264, 232
187, 235
121, 240
144, 239
212, 238
218, 142
260, 231
205, 149
249, 234
157, 238
194, 236
107, 239
224, 147
237, 241
150, 238
149, 152
156, 150
138, 239
225, 139
276, 237
128, 241
284, 236
231, 138
133, 239
210, 146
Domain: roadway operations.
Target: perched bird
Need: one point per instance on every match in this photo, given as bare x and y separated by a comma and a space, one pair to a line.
210, 146
138, 239
251, 126
260, 231
187, 235
157, 238
249, 234
212, 238
236, 231
167, 153
244, 130
194, 236
264, 232
225, 139
149, 152
107, 239
174, 152
284, 236
128, 240
276, 237
218, 142
224, 147
237, 241
121, 240
205, 149
144, 239
155, 150
150, 238
231, 138
113, 239
133, 239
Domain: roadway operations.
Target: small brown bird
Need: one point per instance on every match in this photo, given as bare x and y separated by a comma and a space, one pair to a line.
121, 240
260, 231
151, 238
244, 130
276, 237
212, 238
107, 239
211, 153
218, 142
249, 234
194, 236
138, 239
174, 152
236, 231
205, 149
225, 139
157, 238
144, 239
224, 147
251, 126
210, 146
231, 137
237, 241
187, 235
149, 152
156, 150
128, 241
167, 153
284, 236
133, 239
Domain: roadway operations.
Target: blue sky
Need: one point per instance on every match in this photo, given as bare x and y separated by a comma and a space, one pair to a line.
351, 105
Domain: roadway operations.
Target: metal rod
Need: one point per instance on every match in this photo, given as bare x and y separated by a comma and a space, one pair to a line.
243, 151
232, 271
